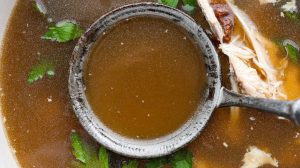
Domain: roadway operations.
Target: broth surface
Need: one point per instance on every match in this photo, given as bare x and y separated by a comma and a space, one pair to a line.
145, 77
39, 130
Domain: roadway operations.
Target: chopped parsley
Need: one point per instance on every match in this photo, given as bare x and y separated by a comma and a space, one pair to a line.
156, 163
189, 9
87, 155
44, 68
292, 50
294, 16
63, 31
189, 6
103, 157
79, 150
170, 3
182, 159
190, 2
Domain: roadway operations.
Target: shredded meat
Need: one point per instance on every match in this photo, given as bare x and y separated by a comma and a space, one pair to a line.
256, 157
247, 53
226, 18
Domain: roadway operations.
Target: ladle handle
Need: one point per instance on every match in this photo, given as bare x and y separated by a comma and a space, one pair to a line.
286, 109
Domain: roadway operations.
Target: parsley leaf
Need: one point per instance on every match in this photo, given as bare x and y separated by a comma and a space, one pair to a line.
156, 163
294, 16
79, 150
131, 164
189, 6
188, 9
103, 157
190, 2
87, 154
170, 3
63, 31
292, 50
182, 159
39, 71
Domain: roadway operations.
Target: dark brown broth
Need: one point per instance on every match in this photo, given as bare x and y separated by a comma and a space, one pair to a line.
145, 77
39, 130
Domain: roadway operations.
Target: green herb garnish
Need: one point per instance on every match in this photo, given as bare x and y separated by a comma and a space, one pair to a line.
190, 2
189, 6
182, 159
87, 154
292, 50
40, 70
294, 16
171, 3
293, 53
79, 150
156, 163
63, 31
131, 164
188, 9
104, 158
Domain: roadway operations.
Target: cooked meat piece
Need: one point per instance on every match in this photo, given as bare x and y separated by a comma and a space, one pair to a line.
256, 157
247, 53
226, 18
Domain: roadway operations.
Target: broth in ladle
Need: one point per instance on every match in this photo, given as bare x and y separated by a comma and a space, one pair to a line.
145, 77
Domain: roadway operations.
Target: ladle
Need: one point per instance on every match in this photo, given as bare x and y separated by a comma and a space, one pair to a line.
216, 95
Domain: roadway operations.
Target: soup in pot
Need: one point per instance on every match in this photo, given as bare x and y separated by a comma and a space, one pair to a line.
45, 133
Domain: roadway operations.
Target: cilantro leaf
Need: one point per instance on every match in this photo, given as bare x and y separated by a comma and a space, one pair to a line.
103, 157
39, 71
182, 159
170, 3
156, 163
292, 50
63, 31
40, 6
131, 164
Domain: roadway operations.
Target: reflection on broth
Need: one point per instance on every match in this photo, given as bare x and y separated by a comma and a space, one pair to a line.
145, 77
39, 118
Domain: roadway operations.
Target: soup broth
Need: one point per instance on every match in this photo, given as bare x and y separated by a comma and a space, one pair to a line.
39, 118
145, 77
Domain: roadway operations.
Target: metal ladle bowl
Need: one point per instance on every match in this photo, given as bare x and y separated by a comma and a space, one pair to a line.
216, 95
